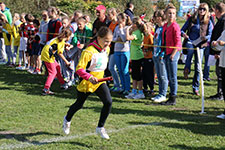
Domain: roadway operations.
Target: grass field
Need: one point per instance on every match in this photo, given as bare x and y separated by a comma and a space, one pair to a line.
31, 121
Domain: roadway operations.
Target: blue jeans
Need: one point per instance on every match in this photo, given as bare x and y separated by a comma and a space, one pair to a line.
15, 54
160, 68
206, 67
171, 69
196, 78
122, 63
112, 69
9, 53
2, 51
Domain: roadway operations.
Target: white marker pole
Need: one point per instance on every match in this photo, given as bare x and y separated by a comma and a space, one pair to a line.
201, 80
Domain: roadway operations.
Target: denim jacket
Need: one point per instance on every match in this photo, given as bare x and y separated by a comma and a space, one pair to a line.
158, 41
195, 30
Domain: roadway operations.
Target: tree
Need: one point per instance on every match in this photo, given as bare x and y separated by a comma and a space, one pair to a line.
211, 3
161, 4
176, 3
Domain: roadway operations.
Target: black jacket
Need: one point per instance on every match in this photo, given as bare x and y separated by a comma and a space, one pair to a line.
216, 33
129, 13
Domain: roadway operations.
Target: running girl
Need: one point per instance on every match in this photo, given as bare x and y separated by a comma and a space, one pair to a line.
90, 68
55, 46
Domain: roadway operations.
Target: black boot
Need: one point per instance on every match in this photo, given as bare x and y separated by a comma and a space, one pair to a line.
170, 101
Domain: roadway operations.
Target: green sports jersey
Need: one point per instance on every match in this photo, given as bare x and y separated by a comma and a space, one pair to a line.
136, 52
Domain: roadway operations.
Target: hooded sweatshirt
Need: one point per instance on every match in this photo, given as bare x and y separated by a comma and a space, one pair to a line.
8, 15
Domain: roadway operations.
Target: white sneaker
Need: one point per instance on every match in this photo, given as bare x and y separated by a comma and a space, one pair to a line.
2, 62
30, 71
19, 68
101, 131
160, 99
153, 98
65, 86
66, 126
222, 116
130, 95
69, 83
139, 96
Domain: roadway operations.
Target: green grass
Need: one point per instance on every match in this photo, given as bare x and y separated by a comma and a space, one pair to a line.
26, 116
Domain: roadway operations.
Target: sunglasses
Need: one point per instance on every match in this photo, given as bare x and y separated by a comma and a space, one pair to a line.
202, 9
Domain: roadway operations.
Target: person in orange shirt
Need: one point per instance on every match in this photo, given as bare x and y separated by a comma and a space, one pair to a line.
148, 65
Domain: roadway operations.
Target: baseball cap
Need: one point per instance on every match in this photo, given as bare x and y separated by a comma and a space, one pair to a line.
100, 7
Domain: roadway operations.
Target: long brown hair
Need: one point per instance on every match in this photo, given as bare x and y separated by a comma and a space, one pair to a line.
205, 18
207, 14
126, 17
65, 33
160, 13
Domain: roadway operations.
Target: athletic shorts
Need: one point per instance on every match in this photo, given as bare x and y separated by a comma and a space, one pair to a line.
136, 67
36, 49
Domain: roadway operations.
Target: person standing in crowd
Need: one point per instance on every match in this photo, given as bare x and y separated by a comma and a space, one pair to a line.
36, 51
42, 33
6, 12
129, 10
198, 27
90, 68
88, 21
2, 49
80, 41
23, 42
148, 65
67, 71
216, 33
122, 51
171, 37
101, 19
158, 57
112, 16
188, 15
7, 35
30, 33
52, 47
16, 25
54, 23
136, 33
77, 14
221, 42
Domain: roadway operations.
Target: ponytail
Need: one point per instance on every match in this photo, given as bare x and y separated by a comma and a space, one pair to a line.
140, 25
126, 17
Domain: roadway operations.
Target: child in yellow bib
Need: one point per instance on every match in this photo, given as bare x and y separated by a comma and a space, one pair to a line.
90, 68
7, 35
16, 35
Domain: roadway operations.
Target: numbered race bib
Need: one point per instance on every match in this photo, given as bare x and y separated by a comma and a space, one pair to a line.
98, 62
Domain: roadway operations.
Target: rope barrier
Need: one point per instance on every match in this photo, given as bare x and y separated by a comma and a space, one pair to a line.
148, 45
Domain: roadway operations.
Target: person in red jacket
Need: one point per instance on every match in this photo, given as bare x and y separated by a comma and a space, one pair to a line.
171, 37
54, 23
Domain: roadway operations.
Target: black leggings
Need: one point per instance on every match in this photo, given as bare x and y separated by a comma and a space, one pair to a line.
148, 73
103, 93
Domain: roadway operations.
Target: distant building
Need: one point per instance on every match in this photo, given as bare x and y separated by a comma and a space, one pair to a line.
186, 5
